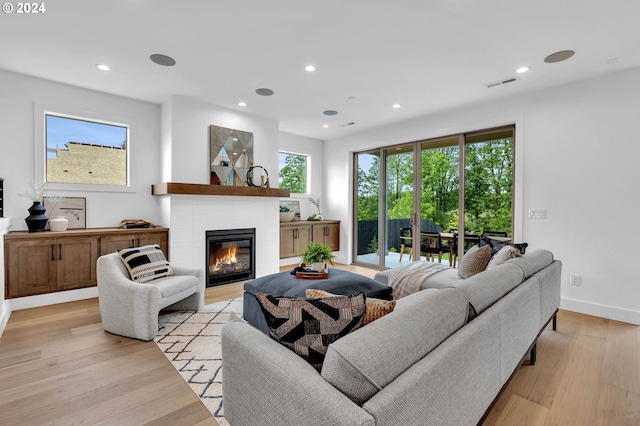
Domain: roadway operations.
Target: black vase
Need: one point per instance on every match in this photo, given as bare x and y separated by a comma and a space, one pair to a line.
36, 220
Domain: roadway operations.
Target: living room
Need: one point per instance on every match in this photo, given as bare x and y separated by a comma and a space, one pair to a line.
575, 157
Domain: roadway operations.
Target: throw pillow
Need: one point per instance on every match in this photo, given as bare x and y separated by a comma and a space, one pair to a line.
474, 261
375, 308
309, 326
496, 245
145, 263
505, 253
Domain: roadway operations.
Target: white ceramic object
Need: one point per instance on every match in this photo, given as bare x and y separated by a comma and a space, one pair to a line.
287, 216
318, 266
58, 223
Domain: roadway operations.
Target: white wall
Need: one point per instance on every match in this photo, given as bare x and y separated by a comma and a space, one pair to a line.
579, 151
185, 144
314, 149
21, 96
4, 305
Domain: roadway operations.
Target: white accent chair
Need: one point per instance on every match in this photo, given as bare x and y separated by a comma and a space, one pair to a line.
131, 309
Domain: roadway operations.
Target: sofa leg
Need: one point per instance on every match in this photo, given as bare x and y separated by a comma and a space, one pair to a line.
532, 354
555, 322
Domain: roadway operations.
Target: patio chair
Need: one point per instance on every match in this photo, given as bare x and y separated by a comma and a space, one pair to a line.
430, 245
406, 241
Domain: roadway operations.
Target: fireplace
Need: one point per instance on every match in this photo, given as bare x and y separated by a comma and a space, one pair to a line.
230, 256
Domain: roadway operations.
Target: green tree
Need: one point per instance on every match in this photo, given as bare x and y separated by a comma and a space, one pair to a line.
294, 174
440, 186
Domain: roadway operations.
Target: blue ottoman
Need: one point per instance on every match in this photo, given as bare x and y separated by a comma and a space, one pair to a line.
286, 284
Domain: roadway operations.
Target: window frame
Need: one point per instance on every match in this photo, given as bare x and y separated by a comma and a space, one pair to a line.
307, 169
40, 146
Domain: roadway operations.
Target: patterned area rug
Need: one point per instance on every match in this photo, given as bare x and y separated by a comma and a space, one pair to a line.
191, 341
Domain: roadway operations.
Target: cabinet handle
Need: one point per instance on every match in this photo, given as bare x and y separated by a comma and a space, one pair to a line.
133, 243
59, 251
52, 252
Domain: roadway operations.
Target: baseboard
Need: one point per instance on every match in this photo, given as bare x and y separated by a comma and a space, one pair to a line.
603, 311
52, 298
6, 313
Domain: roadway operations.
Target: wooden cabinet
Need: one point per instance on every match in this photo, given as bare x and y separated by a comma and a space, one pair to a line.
46, 262
327, 233
128, 239
295, 236
294, 239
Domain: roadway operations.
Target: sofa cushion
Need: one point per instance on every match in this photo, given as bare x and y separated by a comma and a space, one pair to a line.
375, 308
484, 289
365, 361
175, 284
474, 261
145, 263
533, 262
308, 326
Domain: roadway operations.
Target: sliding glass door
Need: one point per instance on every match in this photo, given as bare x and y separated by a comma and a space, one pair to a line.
465, 183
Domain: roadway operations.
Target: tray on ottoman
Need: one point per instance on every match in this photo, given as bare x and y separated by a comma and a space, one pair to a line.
286, 284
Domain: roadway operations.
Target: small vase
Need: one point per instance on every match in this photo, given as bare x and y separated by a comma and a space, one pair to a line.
58, 223
36, 221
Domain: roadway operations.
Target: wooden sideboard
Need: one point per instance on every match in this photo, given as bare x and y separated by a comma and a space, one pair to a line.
46, 262
295, 236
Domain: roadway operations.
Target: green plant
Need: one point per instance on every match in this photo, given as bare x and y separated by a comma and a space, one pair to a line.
314, 218
316, 252
284, 209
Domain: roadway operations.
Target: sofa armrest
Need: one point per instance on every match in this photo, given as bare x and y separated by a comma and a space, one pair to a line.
266, 383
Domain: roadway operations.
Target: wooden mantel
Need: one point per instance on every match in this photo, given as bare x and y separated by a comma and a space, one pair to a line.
176, 188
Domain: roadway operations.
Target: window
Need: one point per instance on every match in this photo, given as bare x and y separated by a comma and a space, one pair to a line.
83, 151
292, 173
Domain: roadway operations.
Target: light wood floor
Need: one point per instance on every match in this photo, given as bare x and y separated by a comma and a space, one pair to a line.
59, 367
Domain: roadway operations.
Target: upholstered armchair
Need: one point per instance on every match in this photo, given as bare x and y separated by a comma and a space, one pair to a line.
131, 308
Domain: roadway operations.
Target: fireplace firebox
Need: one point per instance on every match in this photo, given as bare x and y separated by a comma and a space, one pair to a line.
230, 255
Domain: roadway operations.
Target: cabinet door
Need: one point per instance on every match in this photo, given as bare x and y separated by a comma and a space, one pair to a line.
294, 239
77, 258
31, 267
111, 243
159, 238
327, 234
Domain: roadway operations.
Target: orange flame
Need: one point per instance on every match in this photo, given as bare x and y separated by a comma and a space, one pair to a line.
228, 259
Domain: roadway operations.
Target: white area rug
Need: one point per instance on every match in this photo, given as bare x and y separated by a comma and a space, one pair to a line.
191, 341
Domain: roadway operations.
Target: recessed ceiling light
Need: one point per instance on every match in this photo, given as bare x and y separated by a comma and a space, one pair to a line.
242, 104
330, 112
264, 92
163, 60
522, 69
396, 106
310, 68
560, 56
326, 126
103, 67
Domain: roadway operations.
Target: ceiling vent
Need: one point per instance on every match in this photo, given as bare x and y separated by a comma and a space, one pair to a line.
501, 82
351, 123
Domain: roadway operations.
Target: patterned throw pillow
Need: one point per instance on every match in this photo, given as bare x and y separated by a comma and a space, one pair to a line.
309, 326
375, 308
145, 263
504, 254
474, 261
497, 245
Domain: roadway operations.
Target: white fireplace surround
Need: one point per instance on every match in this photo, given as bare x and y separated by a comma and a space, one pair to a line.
188, 217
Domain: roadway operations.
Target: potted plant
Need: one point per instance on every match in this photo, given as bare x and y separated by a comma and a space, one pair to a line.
36, 221
316, 255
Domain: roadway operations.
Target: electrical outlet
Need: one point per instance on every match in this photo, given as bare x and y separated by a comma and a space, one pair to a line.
537, 213
575, 279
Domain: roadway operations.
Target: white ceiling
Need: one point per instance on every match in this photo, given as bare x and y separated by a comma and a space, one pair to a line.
427, 55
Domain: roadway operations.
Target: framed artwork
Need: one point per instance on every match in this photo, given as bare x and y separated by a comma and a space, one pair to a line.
294, 206
73, 208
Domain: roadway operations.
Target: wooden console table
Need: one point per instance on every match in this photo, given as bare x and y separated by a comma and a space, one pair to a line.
47, 262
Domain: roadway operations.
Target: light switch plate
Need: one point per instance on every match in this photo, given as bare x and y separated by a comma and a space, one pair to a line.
537, 213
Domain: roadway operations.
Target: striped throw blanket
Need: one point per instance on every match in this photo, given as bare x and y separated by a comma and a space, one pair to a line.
409, 279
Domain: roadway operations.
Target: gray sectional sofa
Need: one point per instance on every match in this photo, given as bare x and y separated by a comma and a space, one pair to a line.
440, 358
